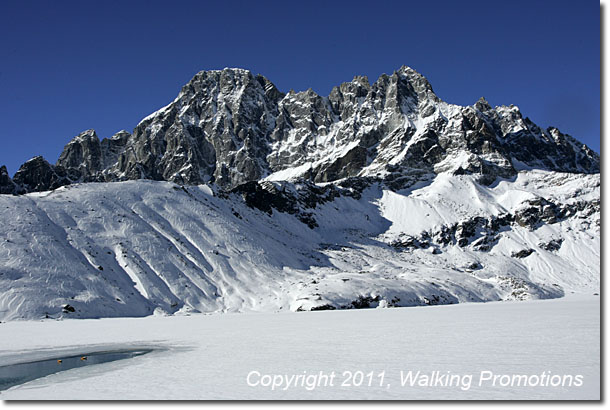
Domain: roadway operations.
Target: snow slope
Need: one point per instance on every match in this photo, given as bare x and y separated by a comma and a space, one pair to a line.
137, 248
210, 356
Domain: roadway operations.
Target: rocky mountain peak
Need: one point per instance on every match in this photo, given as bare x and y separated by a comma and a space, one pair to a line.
38, 175
7, 186
83, 153
230, 127
418, 82
89, 134
362, 82
482, 105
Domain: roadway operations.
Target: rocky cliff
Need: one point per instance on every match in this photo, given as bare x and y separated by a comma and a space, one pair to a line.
230, 127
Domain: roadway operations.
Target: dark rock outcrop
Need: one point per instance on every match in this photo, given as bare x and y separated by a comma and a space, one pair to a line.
267, 196
38, 175
523, 253
7, 186
552, 246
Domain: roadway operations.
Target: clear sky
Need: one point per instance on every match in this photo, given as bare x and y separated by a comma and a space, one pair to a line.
66, 66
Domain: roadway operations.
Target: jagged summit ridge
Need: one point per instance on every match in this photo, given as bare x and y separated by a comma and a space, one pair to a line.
230, 127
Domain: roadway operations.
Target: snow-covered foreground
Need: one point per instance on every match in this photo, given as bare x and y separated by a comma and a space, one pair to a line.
211, 356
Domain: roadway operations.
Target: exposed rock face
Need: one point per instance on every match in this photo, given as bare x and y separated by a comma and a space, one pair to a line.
285, 197
231, 127
38, 175
88, 159
7, 186
552, 245
83, 154
524, 253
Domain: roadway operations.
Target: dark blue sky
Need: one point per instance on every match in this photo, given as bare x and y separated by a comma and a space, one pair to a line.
67, 66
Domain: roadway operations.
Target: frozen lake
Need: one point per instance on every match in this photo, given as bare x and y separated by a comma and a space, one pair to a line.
20, 373
502, 350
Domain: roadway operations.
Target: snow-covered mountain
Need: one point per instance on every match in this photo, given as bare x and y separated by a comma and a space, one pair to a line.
230, 127
377, 195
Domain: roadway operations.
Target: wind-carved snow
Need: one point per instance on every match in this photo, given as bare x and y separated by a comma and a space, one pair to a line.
289, 174
139, 247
